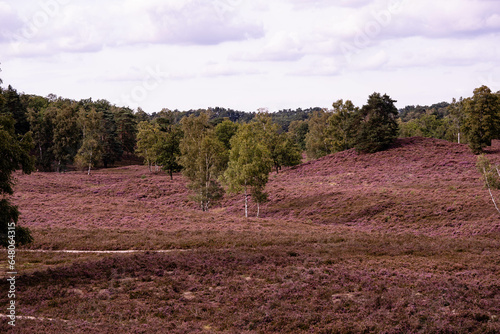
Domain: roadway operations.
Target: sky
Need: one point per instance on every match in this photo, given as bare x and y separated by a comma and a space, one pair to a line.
250, 54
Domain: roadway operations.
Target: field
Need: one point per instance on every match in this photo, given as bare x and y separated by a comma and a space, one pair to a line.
401, 241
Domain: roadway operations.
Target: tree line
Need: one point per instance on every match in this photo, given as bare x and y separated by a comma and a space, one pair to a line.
218, 149
474, 120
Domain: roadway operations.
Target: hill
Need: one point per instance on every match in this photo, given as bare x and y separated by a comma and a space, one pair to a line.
421, 184
401, 241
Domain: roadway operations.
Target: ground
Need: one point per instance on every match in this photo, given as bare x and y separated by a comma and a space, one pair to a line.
401, 241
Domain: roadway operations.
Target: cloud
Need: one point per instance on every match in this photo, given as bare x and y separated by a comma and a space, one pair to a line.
200, 23
90, 26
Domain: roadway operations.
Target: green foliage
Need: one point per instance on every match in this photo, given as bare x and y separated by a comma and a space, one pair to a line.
66, 135
456, 120
225, 131
427, 125
489, 172
91, 150
318, 143
148, 143
340, 126
376, 124
482, 118
126, 128
13, 106
281, 147
249, 165
14, 150
170, 137
298, 131
202, 159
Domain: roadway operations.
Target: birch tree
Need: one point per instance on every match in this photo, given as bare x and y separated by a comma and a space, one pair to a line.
202, 159
249, 166
90, 153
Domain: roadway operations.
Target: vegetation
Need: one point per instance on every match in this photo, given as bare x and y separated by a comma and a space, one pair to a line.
15, 147
376, 124
362, 240
249, 165
202, 159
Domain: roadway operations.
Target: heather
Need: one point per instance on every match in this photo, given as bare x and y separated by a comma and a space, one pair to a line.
400, 241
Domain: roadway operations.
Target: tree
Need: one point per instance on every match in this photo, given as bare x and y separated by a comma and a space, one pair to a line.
376, 124
66, 134
249, 165
491, 175
482, 118
340, 125
126, 128
202, 159
91, 150
14, 153
456, 115
169, 150
298, 131
112, 150
17, 110
282, 149
148, 140
318, 143
42, 123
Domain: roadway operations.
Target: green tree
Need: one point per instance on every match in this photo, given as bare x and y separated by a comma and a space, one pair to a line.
148, 143
298, 131
91, 150
16, 109
224, 131
482, 118
202, 159
169, 150
457, 117
376, 123
340, 129
66, 135
126, 128
281, 147
14, 153
318, 143
42, 126
249, 166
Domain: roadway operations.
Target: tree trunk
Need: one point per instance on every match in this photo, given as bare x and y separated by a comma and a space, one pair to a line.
246, 204
90, 163
171, 174
258, 209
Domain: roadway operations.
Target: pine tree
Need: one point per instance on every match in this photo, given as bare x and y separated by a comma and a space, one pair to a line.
376, 123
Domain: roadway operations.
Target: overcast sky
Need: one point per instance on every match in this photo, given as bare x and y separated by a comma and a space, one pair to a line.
249, 54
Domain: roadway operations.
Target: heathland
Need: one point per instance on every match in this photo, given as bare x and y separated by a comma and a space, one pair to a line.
401, 241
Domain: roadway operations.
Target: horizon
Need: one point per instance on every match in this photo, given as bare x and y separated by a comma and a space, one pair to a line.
243, 55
